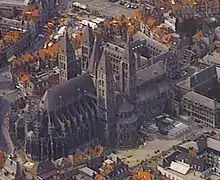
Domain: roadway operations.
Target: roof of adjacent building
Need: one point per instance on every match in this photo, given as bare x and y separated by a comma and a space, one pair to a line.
15, 2
155, 90
88, 171
149, 73
124, 104
200, 99
67, 92
166, 57
180, 167
211, 59
211, 143
141, 37
199, 77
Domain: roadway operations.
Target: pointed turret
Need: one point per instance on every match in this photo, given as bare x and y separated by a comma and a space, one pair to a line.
130, 66
67, 59
87, 43
106, 98
95, 56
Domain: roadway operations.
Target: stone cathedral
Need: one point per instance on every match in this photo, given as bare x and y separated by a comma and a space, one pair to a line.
132, 81
67, 114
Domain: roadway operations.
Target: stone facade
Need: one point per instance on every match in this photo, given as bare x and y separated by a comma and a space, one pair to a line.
132, 82
201, 109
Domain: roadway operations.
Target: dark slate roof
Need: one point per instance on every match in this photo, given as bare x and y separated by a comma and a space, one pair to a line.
67, 92
200, 99
123, 105
192, 161
149, 73
165, 57
200, 77
45, 166
63, 162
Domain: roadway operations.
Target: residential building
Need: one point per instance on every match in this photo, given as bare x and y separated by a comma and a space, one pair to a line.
195, 160
201, 109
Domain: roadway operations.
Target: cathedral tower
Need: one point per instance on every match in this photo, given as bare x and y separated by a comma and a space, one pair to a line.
67, 59
128, 71
87, 46
106, 99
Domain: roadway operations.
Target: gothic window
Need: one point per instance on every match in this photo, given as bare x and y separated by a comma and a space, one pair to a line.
100, 82
103, 93
63, 66
62, 57
126, 66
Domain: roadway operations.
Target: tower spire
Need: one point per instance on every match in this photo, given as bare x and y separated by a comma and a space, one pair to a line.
130, 65
106, 98
67, 59
95, 55
87, 45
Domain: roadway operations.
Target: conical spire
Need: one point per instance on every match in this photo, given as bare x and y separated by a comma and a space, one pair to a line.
107, 97
67, 59
88, 37
95, 56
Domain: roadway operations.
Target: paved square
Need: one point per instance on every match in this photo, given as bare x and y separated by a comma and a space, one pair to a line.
136, 155
107, 8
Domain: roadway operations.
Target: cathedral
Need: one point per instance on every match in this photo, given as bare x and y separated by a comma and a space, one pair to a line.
104, 98
132, 81
66, 117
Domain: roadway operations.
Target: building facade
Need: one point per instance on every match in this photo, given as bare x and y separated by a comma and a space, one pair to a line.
201, 109
124, 75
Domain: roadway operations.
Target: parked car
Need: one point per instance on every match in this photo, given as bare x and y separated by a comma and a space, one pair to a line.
122, 2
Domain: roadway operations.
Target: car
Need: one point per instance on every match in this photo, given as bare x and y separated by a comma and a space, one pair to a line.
134, 6
41, 35
122, 2
127, 5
